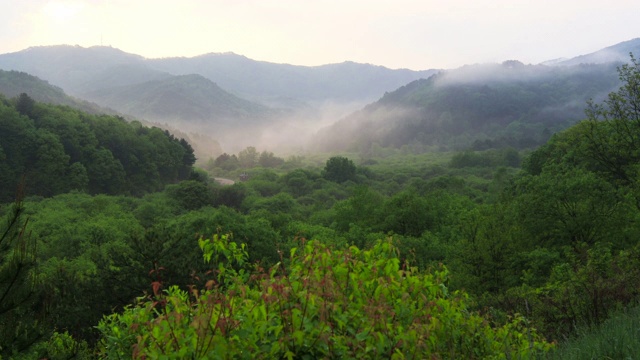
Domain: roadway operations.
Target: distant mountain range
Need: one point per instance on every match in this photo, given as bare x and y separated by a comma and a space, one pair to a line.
616, 53
238, 100
81, 70
210, 93
14, 83
259, 80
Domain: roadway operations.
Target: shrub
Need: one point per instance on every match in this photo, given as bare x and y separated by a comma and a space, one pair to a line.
325, 303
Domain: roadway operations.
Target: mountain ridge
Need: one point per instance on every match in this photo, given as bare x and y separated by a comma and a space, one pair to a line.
74, 67
615, 53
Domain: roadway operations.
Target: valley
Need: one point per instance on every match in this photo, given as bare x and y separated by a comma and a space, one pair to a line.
220, 207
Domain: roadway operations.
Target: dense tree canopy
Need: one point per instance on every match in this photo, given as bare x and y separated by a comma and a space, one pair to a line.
339, 169
314, 255
58, 149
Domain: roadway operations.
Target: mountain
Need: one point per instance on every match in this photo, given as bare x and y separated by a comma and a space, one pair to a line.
218, 95
57, 149
205, 94
616, 53
185, 99
14, 83
347, 81
73, 68
80, 70
477, 106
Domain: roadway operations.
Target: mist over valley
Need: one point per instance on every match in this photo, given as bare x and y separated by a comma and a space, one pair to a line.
238, 102
319, 180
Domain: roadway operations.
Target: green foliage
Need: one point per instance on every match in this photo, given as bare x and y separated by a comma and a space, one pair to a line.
483, 256
230, 196
583, 290
483, 106
568, 206
407, 213
348, 303
25, 104
339, 169
227, 162
87, 263
58, 149
248, 157
15, 83
299, 182
556, 242
268, 160
490, 158
612, 131
616, 338
190, 194
364, 208
19, 310
59, 346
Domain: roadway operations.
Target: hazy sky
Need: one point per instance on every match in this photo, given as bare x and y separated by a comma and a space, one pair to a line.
416, 34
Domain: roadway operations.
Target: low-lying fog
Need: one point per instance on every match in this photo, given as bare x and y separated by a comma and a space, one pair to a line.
289, 133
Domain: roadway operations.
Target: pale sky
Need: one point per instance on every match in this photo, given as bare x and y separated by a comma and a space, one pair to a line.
415, 34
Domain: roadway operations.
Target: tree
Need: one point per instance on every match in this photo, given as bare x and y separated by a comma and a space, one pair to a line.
25, 104
227, 162
267, 159
569, 206
18, 324
339, 169
190, 194
613, 128
248, 157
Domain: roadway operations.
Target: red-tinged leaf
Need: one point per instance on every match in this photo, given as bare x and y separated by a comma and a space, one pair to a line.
210, 284
156, 287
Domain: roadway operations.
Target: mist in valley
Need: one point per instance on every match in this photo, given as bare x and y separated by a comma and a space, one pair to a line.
222, 168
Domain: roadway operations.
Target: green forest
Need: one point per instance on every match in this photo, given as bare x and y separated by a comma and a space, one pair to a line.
115, 244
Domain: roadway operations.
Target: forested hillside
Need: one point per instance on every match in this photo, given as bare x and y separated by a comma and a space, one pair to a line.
115, 247
476, 106
186, 101
14, 83
57, 149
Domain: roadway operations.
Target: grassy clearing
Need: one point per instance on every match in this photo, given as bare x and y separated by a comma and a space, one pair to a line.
617, 338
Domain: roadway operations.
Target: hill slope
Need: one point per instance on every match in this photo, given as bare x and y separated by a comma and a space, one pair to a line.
57, 149
615, 53
181, 99
347, 81
481, 106
14, 83
73, 68
81, 70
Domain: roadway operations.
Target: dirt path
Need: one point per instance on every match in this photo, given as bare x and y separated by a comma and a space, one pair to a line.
223, 181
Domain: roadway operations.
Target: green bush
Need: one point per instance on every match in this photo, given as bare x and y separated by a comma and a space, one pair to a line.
325, 303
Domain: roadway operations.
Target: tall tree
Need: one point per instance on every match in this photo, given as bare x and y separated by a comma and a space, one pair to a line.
613, 128
339, 169
18, 322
